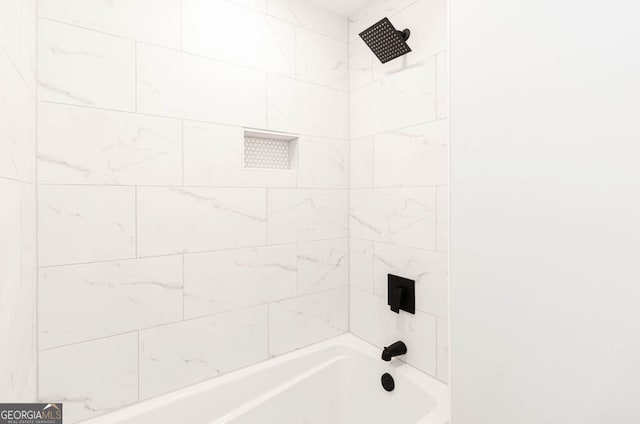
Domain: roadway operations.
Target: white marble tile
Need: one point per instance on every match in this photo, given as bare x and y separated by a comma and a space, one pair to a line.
361, 264
18, 359
91, 378
321, 59
403, 216
360, 64
323, 265
236, 34
84, 302
156, 22
176, 220
305, 108
84, 67
17, 292
400, 100
299, 322
306, 215
372, 13
17, 122
213, 157
18, 38
198, 88
443, 350
324, 163
372, 320
442, 216
78, 145
414, 156
85, 224
180, 354
427, 20
442, 73
361, 163
310, 16
429, 270
233, 279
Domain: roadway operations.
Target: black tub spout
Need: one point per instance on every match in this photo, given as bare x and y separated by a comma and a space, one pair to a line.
395, 349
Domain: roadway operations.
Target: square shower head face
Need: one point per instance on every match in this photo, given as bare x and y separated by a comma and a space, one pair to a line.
385, 41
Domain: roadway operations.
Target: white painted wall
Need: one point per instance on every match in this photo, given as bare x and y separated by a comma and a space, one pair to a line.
545, 212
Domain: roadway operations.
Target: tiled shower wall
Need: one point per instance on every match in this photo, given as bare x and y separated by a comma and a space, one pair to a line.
161, 261
17, 202
399, 178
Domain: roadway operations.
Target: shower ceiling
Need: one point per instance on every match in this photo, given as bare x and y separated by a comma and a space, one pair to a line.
343, 7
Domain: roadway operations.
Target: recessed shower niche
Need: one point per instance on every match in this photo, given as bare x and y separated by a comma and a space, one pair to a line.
270, 150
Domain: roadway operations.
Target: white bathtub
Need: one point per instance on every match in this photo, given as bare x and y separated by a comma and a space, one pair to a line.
333, 382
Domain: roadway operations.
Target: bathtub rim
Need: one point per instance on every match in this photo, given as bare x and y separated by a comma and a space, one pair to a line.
438, 390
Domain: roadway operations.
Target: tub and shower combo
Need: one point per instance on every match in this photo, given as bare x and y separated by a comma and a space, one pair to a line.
340, 381
220, 211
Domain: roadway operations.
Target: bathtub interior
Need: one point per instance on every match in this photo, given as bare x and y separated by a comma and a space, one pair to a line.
345, 391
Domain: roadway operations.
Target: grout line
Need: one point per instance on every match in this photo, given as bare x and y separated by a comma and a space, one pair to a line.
196, 187
435, 373
266, 103
135, 73
121, 37
398, 245
422, 311
295, 52
178, 186
37, 213
349, 164
362, 138
436, 221
177, 118
183, 272
301, 26
403, 360
182, 153
373, 160
266, 14
135, 218
437, 89
189, 53
167, 324
138, 333
297, 269
266, 211
194, 252
414, 65
373, 266
387, 187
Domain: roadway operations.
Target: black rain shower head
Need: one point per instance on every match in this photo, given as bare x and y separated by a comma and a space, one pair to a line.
385, 41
